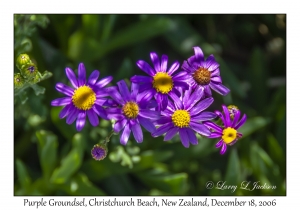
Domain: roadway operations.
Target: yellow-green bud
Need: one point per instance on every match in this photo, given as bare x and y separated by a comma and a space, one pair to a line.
29, 70
232, 110
22, 60
18, 80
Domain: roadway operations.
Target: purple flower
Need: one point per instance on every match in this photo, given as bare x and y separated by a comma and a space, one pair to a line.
162, 82
86, 98
205, 73
228, 133
99, 152
132, 112
184, 116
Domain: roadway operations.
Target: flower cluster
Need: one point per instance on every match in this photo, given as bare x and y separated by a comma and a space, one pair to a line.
168, 100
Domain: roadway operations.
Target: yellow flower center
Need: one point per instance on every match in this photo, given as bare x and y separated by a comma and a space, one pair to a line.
162, 82
202, 76
131, 109
181, 118
84, 98
229, 135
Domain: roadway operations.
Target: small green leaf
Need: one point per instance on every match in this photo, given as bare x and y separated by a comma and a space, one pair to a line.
23, 177
71, 163
252, 125
48, 151
80, 185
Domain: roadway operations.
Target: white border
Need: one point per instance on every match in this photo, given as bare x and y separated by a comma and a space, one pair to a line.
8, 8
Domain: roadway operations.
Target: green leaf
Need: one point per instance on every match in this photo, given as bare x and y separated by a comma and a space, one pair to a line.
233, 168
23, 177
48, 151
174, 183
252, 125
71, 163
80, 185
66, 130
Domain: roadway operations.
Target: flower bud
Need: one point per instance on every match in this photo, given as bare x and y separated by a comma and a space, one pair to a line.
22, 60
18, 80
232, 110
29, 70
99, 152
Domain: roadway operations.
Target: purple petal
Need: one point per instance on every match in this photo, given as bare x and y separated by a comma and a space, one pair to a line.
163, 120
213, 126
114, 93
149, 114
211, 63
123, 88
93, 77
220, 143
204, 116
140, 79
104, 81
214, 135
216, 79
198, 53
164, 103
193, 98
119, 125
215, 73
134, 91
173, 68
143, 99
147, 124
184, 85
202, 105
186, 67
199, 128
93, 118
80, 122
71, 76
125, 135
227, 122
99, 110
146, 87
219, 88
164, 63
162, 129
65, 111
182, 75
155, 61
64, 89
192, 136
176, 100
171, 133
223, 149
73, 112
242, 121
61, 101
184, 137
81, 74
100, 93
137, 132
236, 118
194, 62
145, 67
101, 101
207, 90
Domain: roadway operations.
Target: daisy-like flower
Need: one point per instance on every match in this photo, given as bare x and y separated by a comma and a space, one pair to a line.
162, 81
132, 112
228, 133
184, 116
205, 73
86, 98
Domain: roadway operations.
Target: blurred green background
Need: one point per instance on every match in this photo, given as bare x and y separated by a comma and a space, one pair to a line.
51, 158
